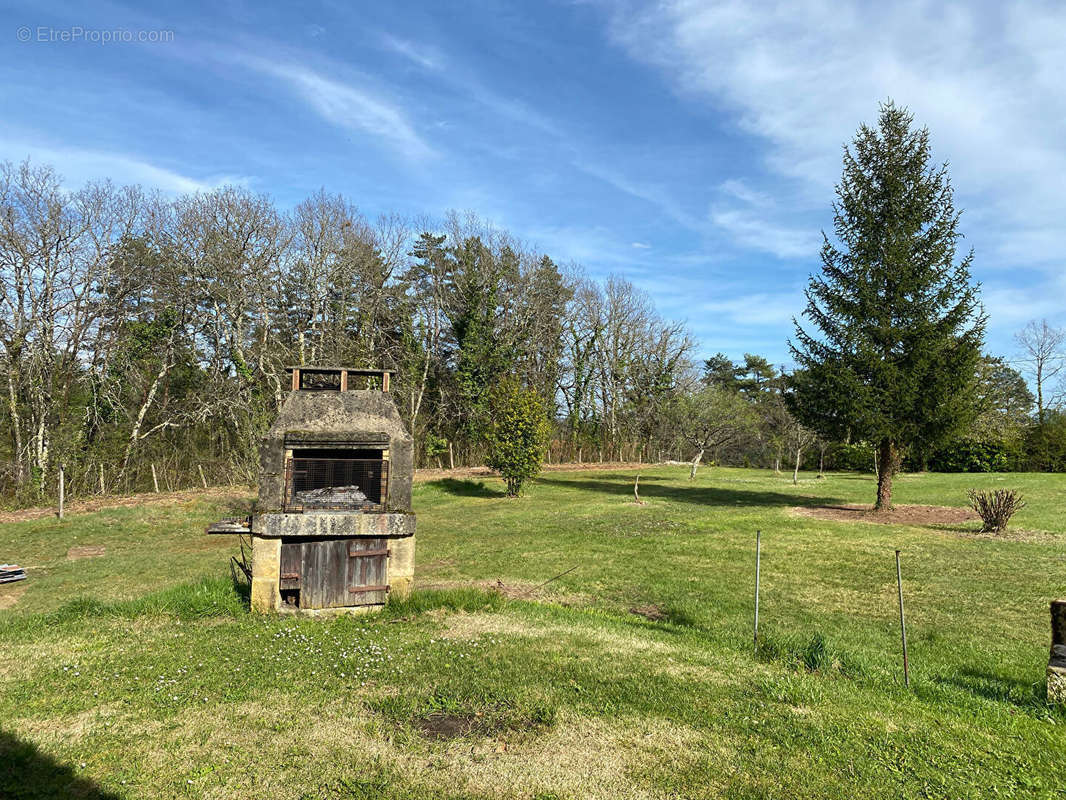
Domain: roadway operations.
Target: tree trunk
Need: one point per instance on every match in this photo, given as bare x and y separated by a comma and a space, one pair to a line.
777, 465
695, 463
796, 471
16, 429
887, 466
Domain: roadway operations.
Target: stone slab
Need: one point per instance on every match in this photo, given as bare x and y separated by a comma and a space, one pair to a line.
332, 525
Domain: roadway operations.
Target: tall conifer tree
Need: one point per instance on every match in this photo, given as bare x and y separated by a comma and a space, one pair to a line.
899, 326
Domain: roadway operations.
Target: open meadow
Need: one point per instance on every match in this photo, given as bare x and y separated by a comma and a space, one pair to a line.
138, 672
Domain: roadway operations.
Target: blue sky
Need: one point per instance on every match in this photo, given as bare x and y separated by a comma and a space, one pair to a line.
691, 147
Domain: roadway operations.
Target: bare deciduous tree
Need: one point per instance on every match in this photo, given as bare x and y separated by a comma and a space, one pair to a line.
711, 418
1043, 357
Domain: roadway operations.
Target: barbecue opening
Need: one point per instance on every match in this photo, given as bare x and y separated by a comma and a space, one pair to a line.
336, 479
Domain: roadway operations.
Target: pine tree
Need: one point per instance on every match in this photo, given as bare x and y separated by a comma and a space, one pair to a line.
899, 324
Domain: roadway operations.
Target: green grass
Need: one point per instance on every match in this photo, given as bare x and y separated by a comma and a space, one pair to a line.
140, 674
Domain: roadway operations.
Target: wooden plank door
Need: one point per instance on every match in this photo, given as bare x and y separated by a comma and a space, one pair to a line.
292, 554
324, 574
368, 565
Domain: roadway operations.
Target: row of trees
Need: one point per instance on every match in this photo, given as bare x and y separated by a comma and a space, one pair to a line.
137, 329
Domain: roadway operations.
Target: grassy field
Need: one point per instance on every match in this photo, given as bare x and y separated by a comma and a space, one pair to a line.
139, 673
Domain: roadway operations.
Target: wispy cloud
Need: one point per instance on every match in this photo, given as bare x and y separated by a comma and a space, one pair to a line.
356, 108
801, 75
756, 309
420, 54
657, 196
752, 220
80, 166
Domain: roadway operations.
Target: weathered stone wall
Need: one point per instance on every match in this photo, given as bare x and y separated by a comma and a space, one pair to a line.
1056, 668
345, 415
266, 572
401, 567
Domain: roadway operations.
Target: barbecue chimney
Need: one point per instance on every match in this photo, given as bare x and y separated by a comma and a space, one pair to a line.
333, 527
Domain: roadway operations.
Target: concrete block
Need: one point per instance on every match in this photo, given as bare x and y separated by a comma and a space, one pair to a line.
400, 587
265, 595
402, 559
1056, 668
1056, 684
266, 558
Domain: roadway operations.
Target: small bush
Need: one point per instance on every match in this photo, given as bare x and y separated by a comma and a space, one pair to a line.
971, 456
995, 508
518, 435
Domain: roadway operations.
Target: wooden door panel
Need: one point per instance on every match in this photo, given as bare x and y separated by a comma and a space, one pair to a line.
324, 573
292, 554
367, 571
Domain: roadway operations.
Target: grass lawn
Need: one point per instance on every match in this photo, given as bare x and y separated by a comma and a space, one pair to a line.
139, 673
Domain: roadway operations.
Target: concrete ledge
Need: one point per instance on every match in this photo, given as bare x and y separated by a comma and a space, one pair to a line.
332, 525
342, 611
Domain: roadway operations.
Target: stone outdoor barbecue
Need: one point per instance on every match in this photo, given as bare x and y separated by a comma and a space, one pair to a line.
333, 527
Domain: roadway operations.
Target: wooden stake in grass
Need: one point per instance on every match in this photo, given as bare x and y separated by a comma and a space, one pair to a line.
62, 488
636, 491
758, 564
902, 623
155, 480
203, 480
101, 477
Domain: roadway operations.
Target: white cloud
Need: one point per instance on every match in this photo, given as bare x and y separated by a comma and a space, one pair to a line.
419, 54
801, 75
751, 219
355, 108
758, 309
752, 230
640, 245
655, 195
80, 166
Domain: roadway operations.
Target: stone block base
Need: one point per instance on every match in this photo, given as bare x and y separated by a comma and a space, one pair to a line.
400, 588
1056, 684
266, 575
265, 595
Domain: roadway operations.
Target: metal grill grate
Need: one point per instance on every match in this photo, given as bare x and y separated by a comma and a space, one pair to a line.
342, 484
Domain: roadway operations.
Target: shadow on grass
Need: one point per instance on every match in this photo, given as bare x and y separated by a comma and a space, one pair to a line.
697, 495
1019, 693
466, 488
26, 773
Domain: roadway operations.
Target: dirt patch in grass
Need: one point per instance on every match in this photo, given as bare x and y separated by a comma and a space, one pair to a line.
650, 611
91, 504
899, 515
9, 595
444, 727
86, 551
